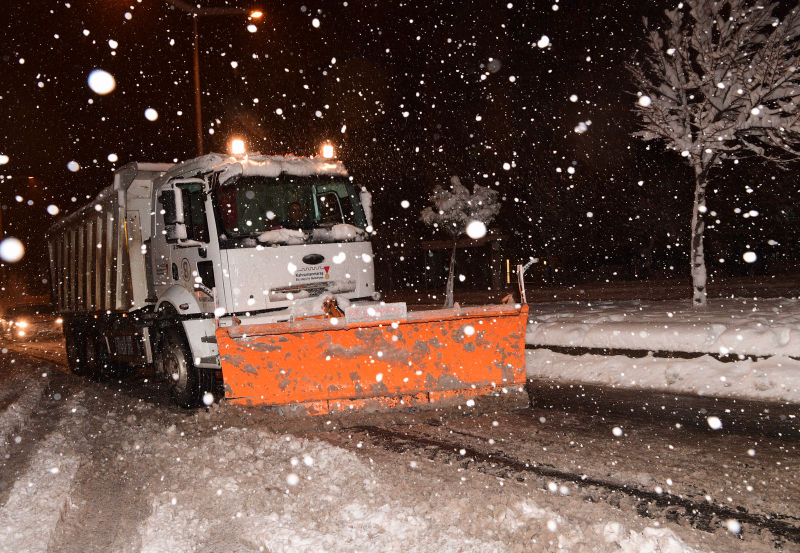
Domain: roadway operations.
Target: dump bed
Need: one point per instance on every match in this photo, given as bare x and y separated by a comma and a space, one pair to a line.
97, 259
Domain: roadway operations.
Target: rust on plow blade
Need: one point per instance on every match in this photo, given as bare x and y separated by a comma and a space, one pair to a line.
444, 357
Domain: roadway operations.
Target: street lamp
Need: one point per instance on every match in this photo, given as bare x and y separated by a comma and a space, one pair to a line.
196, 12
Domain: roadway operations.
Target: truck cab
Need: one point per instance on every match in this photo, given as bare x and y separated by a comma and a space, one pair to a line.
213, 241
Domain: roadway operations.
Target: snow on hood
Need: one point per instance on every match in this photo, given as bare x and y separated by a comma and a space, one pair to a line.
273, 166
283, 236
337, 233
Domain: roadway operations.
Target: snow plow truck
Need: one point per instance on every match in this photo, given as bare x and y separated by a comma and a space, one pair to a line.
253, 275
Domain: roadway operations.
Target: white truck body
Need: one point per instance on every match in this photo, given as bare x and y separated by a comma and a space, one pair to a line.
117, 265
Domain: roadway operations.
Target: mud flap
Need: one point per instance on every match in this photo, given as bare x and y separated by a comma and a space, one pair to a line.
431, 359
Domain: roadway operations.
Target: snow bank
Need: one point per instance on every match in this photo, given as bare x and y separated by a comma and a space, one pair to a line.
749, 327
253, 490
776, 378
17, 411
40, 496
316, 498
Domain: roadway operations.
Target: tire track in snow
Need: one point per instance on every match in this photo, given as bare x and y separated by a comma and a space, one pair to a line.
40, 497
698, 514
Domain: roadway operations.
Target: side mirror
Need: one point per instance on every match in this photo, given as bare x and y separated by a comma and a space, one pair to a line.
174, 223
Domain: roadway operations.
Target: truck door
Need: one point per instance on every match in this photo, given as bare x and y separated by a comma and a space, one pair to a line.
184, 246
191, 255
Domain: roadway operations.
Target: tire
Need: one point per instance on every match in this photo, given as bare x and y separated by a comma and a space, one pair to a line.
95, 355
74, 348
188, 383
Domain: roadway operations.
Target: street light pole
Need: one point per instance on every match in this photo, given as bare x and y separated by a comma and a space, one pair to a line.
198, 111
196, 12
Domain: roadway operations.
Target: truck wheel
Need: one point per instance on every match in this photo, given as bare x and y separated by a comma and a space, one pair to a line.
74, 351
97, 362
187, 383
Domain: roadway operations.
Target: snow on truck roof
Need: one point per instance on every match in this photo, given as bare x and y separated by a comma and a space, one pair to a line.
259, 165
228, 166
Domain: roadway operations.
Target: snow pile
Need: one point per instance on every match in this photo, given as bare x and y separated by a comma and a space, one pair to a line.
776, 378
283, 236
39, 497
253, 490
748, 327
314, 497
272, 166
17, 411
650, 539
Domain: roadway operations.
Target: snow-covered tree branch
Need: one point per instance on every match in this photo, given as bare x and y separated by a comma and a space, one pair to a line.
721, 82
456, 212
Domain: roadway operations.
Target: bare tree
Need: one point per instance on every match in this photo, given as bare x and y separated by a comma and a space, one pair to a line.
456, 211
721, 82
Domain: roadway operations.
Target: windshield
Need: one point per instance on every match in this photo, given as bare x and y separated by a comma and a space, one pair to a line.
250, 206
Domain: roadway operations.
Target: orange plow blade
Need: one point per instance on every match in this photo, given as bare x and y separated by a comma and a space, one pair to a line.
446, 357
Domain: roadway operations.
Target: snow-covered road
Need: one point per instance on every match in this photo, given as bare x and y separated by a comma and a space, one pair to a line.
115, 467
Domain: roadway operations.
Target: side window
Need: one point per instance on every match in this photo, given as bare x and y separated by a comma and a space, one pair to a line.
194, 213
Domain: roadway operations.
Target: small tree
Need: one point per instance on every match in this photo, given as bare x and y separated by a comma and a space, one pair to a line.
454, 210
721, 82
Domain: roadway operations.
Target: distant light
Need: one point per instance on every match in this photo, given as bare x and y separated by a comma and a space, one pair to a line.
256, 14
11, 250
101, 82
73, 166
237, 147
151, 114
327, 151
476, 229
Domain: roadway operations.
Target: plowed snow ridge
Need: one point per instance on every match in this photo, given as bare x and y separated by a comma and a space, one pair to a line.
38, 498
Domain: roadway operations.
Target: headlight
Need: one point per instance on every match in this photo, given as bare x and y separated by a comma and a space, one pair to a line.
59, 321
21, 324
21, 333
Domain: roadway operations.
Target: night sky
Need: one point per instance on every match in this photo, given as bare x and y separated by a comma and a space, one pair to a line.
409, 92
